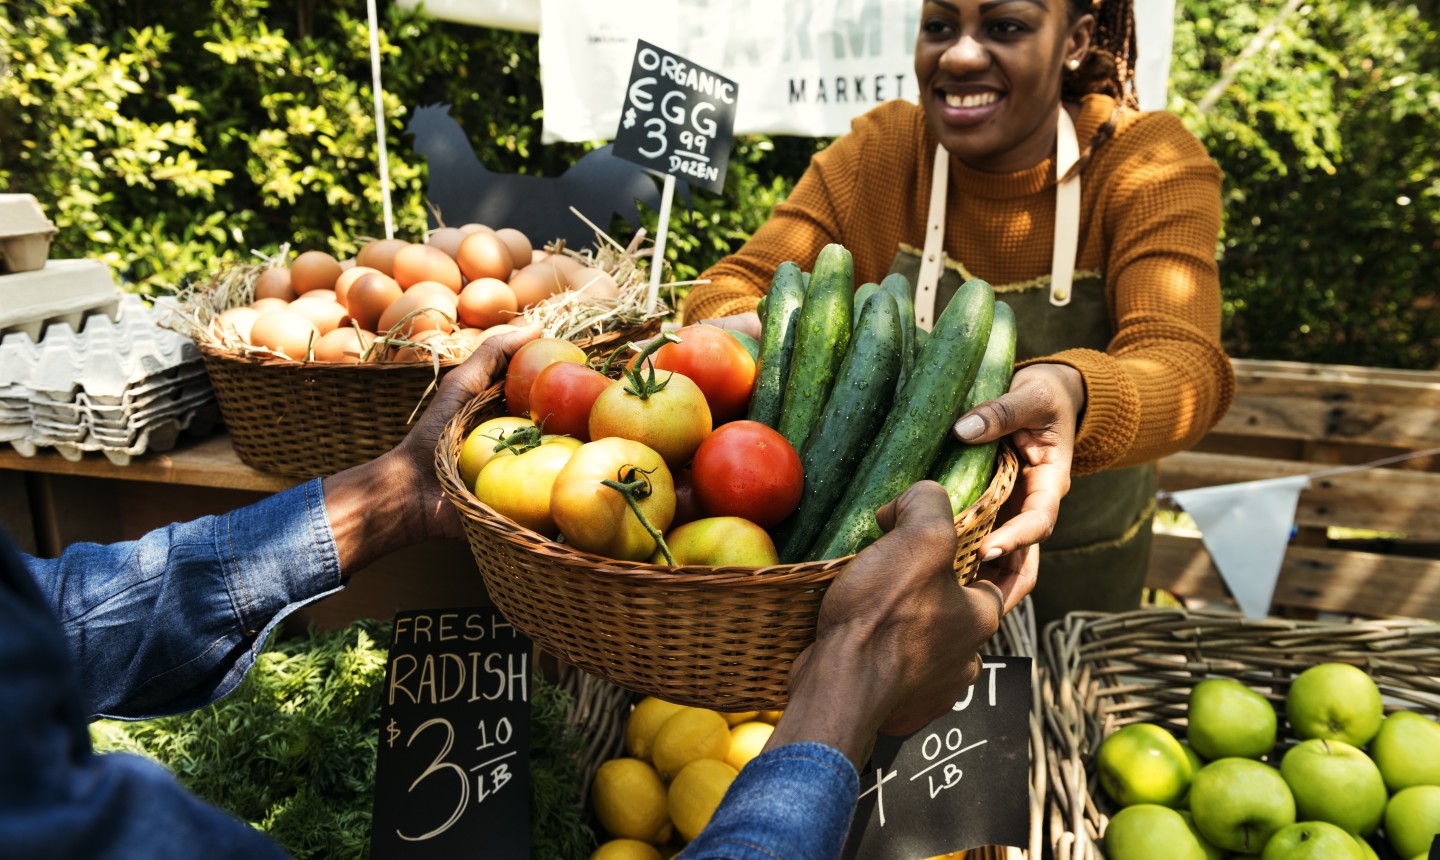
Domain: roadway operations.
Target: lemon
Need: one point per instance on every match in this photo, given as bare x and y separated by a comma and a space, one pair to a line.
626, 849
771, 717
644, 721
740, 717
690, 734
746, 742
630, 800
479, 446
695, 793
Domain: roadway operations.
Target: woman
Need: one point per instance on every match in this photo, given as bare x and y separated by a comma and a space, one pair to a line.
1111, 272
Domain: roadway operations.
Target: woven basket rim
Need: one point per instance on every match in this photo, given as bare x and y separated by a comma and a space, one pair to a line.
257, 360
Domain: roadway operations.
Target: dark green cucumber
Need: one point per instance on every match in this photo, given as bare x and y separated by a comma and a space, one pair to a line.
964, 470
899, 286
777, 343
860, 400
751, 345
924, 410
861, 294
821, 336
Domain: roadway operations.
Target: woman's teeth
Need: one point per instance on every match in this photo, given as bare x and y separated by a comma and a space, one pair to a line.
970, 101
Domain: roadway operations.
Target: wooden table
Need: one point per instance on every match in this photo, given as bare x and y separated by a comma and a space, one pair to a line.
48, 502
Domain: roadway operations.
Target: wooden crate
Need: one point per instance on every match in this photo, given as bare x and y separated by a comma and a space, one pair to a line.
1290, 419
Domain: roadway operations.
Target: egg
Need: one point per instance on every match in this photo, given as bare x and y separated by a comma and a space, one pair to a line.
537, 282
328, 295
285, 333
348, 277
345, 344
270, 304
369, 297
326, 314
473, 227
416, 263
484, 255
416, 353
347, 264
236, 320
429, 312
274, 283
447, 239
485, 302
596, 283
314, 270
379, 253
519, 244
567, 264
537, 255
495, 330
469, 338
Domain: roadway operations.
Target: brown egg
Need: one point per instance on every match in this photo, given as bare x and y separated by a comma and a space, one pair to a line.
429, 312
326, 314
567, 264
416, 353
469, 338
494, 330
345, 344
472, 227
327, 295
285, 333
416, 263
369, 297
347, 264
274, 283
236, 320
596, 283
518, 243
537, 282
270, 304
447, 239
379, 253
537, 255
484, 255
314, 270
486, 302
348, 277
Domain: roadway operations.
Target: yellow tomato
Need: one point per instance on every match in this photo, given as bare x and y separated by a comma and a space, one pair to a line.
517, 485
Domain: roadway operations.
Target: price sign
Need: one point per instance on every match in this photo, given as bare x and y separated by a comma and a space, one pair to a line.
959, 783
452, 771
678, 118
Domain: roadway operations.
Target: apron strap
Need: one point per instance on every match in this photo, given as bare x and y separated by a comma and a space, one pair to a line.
1067, 212
931, 262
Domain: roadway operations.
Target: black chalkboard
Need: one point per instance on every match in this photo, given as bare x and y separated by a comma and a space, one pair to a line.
452, 775
678, 118
959, 783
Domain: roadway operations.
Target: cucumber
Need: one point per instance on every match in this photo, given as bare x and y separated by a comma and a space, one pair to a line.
861, 294
821, 336
964, 470
777, 342
924, 410
751, 345
899, 286
860, 400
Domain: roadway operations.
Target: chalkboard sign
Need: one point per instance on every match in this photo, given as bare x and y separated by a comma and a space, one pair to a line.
678, 118
452, 775
959, 783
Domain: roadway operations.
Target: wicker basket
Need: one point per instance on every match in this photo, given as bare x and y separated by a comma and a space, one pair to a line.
1105, 671
308, 419
715, 637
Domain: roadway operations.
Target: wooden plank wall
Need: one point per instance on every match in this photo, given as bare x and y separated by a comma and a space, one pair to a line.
1291, 419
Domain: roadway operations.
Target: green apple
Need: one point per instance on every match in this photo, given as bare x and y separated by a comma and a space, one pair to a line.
1407, 749
1227, 718
719, 542
1195, 764
1312, 840
1239, 803
1366, 852
1335, 700
1335, 782
1146, 831
1211, 851
1412, 819
1143, 763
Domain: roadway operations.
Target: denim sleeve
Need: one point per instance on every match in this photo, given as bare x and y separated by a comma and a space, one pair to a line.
794, 801
172, 622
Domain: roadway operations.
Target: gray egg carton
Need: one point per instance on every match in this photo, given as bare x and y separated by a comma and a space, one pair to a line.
63, 291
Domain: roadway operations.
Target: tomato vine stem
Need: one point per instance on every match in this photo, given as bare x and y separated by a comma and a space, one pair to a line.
634, 485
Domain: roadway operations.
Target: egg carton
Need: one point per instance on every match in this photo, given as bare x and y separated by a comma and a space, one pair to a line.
25, 233
113, 420
162, 435
64, 291
174, 384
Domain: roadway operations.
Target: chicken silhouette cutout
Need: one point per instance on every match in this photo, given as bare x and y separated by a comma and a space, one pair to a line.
463, 190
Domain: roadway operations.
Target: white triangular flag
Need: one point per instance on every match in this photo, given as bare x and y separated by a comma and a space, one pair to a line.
1246, 528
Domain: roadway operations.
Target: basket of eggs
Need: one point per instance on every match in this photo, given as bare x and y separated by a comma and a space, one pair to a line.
320, 364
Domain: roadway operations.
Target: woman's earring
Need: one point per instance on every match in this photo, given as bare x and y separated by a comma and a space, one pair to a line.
1073, 64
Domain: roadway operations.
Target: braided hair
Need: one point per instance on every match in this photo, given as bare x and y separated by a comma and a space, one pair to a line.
1108, 66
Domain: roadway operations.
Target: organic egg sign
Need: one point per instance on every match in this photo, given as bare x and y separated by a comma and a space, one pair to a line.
678, 118
452, 771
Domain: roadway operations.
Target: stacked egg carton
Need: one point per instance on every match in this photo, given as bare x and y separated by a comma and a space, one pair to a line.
121, 386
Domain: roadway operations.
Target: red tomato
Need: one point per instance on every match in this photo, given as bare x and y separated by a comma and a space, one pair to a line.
672, 419
717, 363
562, 395
596, 518
745, 469
526, 364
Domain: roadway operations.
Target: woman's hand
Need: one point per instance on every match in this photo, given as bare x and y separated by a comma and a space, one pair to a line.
746, 323
1040, 413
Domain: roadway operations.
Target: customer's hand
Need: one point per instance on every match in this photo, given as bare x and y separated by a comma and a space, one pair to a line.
746, 323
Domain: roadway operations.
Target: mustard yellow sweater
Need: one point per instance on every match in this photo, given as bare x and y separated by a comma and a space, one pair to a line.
1149, 220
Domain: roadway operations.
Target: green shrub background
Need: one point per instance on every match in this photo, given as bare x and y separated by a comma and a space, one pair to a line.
165, 137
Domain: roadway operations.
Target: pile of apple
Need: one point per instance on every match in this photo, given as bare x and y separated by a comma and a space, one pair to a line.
1354, 775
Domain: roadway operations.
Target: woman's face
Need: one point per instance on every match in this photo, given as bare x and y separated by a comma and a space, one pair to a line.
989, 73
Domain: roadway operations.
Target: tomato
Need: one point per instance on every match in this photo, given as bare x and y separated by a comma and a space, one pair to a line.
517, 485
718, 363
480, 445
526, 364
719, 542
596, 518
562, 395
673, 419
687, 504
745, 469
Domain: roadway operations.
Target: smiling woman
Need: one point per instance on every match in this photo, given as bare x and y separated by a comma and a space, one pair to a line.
1026, 163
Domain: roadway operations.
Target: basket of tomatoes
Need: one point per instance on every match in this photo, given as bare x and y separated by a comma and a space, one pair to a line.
667, 523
